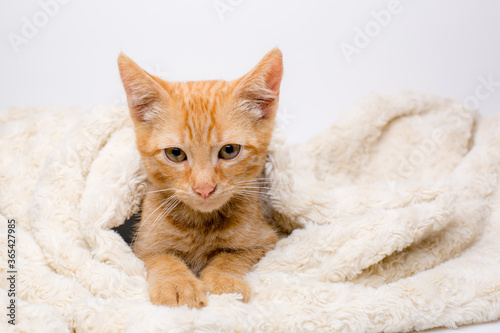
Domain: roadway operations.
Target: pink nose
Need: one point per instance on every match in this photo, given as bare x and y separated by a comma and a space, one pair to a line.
205, 191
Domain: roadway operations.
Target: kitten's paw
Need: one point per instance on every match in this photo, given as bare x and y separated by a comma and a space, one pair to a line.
224, 283
178, 291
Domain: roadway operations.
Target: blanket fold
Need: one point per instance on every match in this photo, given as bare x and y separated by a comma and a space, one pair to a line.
394, 214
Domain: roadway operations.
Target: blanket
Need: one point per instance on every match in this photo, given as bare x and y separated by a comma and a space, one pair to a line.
393, 214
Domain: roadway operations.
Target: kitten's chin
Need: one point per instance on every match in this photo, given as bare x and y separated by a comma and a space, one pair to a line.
206, 206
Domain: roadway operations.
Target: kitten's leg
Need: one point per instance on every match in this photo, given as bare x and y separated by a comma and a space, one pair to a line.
224, 273
172, 283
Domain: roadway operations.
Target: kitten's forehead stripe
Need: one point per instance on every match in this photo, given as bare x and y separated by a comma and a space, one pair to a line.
199, 104
188, 129
212, 122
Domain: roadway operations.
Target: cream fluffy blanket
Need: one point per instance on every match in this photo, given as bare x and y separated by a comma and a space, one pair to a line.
398, 204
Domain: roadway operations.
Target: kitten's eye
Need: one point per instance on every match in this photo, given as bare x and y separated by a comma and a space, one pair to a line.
228, 152
175, 154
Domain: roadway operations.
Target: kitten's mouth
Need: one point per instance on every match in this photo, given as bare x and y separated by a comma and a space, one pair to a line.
207, 205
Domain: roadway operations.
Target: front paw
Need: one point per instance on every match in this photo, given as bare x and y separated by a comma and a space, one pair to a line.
225, 283
177, 291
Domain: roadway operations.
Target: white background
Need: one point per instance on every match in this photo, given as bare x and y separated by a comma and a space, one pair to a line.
442, 47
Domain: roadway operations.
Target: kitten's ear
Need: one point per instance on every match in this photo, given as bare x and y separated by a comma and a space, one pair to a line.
144, 93
259, 90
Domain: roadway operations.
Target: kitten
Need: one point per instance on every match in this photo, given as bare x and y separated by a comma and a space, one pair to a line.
203, 145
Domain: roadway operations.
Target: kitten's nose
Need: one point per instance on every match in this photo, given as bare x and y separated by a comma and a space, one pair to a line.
205, 191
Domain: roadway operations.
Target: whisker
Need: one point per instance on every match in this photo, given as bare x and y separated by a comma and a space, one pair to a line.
162, 190
249, 195
147, 218
163, 214
162, 206
254, 181
249, 190
167, 206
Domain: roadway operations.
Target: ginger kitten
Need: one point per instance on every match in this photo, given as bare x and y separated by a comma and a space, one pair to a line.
203, 145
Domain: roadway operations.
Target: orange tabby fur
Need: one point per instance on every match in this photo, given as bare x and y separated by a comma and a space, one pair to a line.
202, 226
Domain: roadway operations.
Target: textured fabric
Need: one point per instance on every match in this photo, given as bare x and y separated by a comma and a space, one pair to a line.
397, 210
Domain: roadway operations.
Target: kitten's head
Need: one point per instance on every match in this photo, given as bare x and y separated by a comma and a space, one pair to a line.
204, 141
